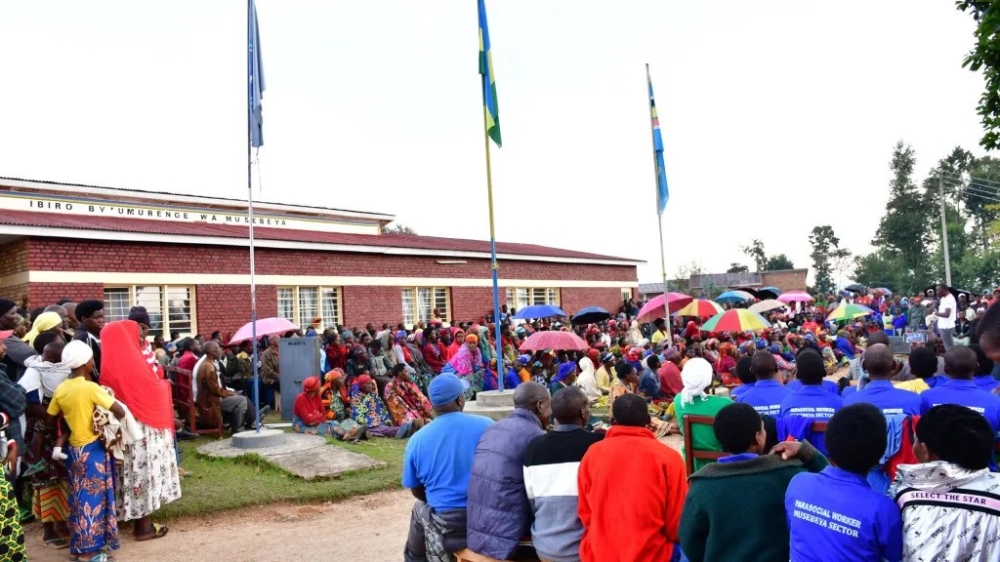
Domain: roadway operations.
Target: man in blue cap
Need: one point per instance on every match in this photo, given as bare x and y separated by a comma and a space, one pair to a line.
437, 465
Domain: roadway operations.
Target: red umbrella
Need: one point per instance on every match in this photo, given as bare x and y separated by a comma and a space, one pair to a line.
553, 340
654, 308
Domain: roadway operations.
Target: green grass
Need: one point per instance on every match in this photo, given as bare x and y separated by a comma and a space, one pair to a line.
223, 484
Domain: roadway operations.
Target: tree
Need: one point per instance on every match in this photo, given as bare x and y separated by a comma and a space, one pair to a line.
397, 228
737, 268
682, 279
778, 262
985, 57
826, 247
903, 229
976, 198
755, 251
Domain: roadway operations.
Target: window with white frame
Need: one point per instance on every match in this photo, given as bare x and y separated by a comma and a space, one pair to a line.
626, 293
419, 304
170, 308
519, 297
302, 304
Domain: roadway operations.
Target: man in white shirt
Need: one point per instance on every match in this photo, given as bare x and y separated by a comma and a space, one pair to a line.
947, 314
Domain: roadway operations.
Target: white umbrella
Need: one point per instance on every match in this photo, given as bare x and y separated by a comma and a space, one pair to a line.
765, 306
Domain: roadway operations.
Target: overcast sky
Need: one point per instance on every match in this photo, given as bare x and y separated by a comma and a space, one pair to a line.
776, 116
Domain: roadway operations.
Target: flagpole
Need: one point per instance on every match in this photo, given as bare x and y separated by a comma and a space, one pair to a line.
659, 224
494, 266
253, 281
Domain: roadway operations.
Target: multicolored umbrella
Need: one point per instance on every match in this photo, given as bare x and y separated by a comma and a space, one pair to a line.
654, 308
766, 306
736, 320
849, 312
734, 296
701, 308
558, 341
795, 296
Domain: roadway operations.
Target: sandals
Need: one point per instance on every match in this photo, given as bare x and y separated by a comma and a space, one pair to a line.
58, 543
159, 531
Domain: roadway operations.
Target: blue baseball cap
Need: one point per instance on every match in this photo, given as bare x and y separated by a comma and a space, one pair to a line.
446, 388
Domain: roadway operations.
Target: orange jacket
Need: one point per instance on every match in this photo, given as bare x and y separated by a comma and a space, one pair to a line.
632, 489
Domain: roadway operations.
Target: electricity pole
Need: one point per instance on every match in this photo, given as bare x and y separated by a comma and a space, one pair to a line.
944, 232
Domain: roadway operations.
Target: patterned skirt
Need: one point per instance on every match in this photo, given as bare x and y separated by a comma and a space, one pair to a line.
148, 478
92, 523
11, 535
50, 503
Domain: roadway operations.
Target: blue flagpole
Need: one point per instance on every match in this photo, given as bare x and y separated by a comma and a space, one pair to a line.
251, 53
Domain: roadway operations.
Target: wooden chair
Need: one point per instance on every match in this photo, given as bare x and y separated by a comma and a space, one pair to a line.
690, 453
182, 392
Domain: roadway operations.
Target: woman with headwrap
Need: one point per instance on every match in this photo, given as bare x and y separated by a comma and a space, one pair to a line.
92, 522
725, 366
368, 409
149, 478
468, 365
336, 400
565, 376
670, 374
357, 365
844, 345
46, 322
587, 380
336, 353
310, 415
486, 344
694, 401
405, 401
50, 490
422, 373
634, 333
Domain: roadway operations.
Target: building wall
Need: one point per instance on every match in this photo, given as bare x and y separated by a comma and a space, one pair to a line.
225, 307
371, 304
786, 279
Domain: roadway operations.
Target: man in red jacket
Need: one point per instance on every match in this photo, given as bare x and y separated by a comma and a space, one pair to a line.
632, 489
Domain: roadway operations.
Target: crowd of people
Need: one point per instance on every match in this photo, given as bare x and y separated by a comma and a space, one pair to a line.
905, 450
88, 425
903, 441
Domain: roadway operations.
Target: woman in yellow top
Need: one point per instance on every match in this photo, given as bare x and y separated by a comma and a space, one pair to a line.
923, 365
92, 523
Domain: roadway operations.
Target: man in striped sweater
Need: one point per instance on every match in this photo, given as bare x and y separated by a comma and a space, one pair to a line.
550, 466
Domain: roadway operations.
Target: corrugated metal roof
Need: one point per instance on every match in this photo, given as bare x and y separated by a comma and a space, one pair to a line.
407, 241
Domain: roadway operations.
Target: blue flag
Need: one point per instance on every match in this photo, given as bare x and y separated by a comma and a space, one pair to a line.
662, 192
255, 76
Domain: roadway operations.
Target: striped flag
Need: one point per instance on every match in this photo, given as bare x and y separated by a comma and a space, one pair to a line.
486, 71
255, 74
662, 192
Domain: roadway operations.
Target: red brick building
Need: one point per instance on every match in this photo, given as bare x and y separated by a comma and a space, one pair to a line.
186, 259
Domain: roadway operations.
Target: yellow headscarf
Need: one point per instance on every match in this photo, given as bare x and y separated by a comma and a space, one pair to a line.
45, 322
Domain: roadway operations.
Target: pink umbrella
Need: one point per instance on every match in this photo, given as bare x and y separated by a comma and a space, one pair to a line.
553, 340
265, 327
795, 296
654, 308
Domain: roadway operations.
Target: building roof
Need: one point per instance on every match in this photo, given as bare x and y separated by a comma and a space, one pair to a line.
358, 242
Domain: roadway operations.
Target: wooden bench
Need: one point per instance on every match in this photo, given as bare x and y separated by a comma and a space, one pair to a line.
690, 453
466, 555
182, 393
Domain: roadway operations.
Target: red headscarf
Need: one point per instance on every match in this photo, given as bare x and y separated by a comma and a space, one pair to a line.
134, 382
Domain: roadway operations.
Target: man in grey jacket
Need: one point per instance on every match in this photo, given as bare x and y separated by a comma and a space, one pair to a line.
499, 514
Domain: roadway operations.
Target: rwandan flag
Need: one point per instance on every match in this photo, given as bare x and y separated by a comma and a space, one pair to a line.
662, 193
486, 71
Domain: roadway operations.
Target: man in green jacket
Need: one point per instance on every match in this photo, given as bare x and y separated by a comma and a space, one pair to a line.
735, 508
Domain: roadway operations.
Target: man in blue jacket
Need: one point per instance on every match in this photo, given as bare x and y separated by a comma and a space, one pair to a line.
499, 514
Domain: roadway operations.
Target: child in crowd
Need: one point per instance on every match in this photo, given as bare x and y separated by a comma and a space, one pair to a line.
923, 364
717, 525
952, 488
835, 515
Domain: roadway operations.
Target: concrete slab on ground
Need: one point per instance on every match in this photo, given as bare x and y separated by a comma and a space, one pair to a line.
306, 456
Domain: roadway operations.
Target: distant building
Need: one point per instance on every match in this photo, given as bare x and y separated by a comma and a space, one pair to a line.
784, 279
185, 258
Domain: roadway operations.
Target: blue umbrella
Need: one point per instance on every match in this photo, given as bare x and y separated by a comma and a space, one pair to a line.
734, 296
591, 315
539, 311
776, 291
